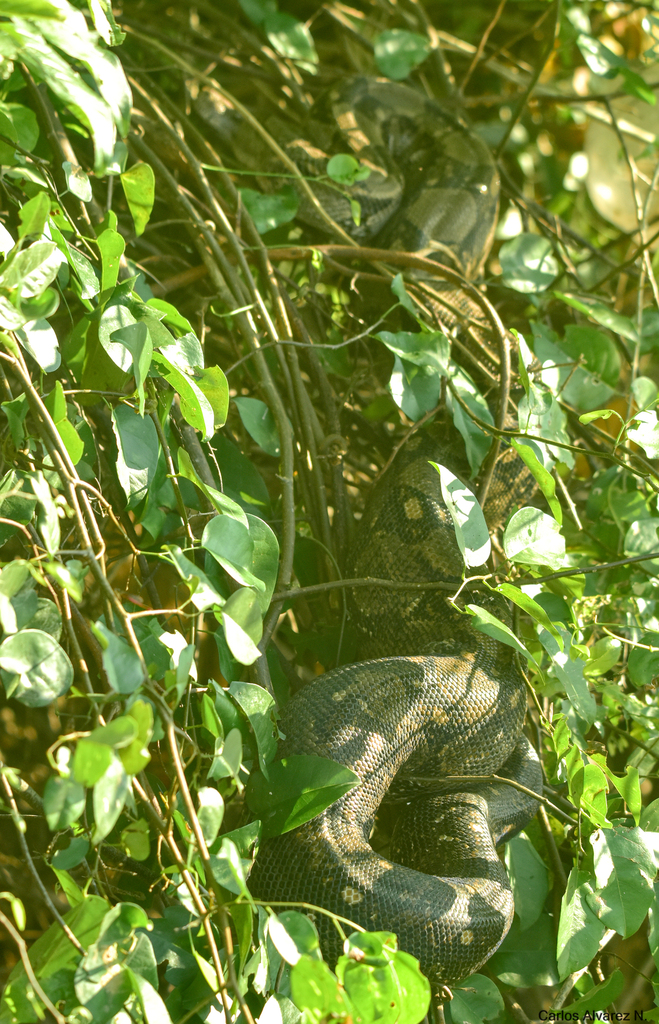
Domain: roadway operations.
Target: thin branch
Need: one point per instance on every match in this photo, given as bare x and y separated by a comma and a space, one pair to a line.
524, 98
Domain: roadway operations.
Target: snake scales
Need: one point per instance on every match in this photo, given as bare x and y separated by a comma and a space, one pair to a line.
437, 699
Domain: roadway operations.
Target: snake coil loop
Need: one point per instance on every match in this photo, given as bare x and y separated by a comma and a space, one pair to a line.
434, 698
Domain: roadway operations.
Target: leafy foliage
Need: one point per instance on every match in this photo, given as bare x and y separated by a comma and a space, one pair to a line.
173, 514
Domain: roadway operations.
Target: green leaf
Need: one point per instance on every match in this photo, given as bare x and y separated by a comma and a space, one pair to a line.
257, 704
259, 423
534, 538
77, 181
476, 1000
137, 340
202, 593
196, 409
539, 412
24, 122
73, 892
355, 211
422, 348
241, 480
270, 211
599, 414
529, 879
543, 477
139, 185
599, 58
635, 85
644, 430
137, 456
91, 761
47, 519
316, 990
229, 869
485, 622
265, 559
153, 1008
231, 544
414, 389
31, 9
212, 382
642, 665
210, 718
345, 170
477, 442
628, 786
297, 789
104, 23
90, 108
531, 607
645, 392
369, 981
291, 38
121, 663
135, 756
579, 930
587, 788
594, 348
624, 869
471, 530
210, 813
72, 855
30, 271
528, 264
641, 538
227, 757
109, 797
39, 339
293, 936
599, 997
220, 501
102, 979
85, 272
114, 319
55, 402
382, 981
16, 500
111, 245
120, 732
527, 958
7, 150
601, 314
243, 626
398, 52
135, 840
33, 215
63, 802
170, 315
35, 669
569, 670
399, 290
604, 654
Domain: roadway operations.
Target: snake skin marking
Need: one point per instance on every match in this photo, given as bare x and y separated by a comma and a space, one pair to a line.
413, 508
352, 896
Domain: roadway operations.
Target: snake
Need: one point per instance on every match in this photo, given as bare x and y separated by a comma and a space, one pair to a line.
429, 698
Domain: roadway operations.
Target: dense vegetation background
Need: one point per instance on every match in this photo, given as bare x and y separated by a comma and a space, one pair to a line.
196, 388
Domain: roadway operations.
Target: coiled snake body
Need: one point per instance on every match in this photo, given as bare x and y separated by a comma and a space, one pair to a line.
437, 699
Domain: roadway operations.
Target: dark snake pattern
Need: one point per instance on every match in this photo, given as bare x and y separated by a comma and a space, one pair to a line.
434, 697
